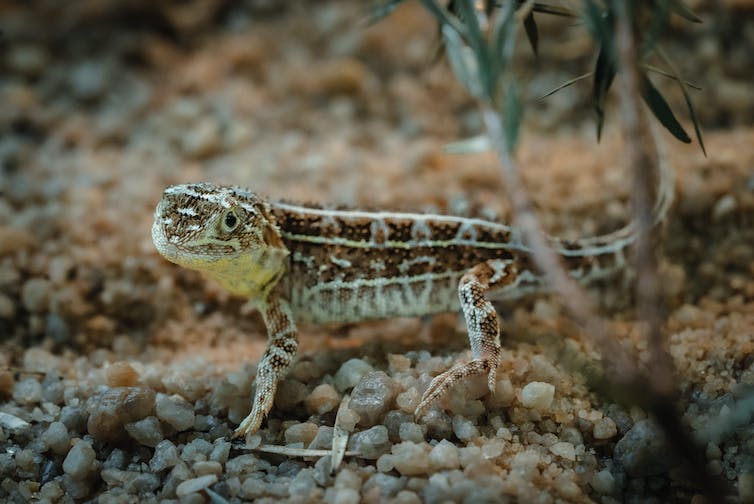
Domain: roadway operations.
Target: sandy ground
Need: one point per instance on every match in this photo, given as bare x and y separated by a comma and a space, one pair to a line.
122, 374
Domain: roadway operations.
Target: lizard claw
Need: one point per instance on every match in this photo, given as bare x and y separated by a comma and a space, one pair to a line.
263, 398
442, 383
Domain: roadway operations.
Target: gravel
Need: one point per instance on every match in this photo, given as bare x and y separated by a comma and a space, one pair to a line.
351, 373
123, 377
372, 397
80, 460
175, 411
644, 451
537, 395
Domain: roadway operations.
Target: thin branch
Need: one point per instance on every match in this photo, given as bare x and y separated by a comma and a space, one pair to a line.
664, 393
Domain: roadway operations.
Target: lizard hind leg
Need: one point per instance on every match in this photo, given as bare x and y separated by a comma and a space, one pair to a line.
282, 344
482, 326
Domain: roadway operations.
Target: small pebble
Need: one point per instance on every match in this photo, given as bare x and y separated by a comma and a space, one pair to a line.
221, 451
410, 431
604, 428
323, 398
7, 307
28, 60
408, 400
80, 460
464, 429
195, 484
205, 467
243, 464
35, 293
371, 443
301, 433
538, 395
493, 448
444, 455
372, 397
345, 496
351, 373
165, 456
146, 431
112, 408
88, 80
564, 449
121, 374
175, 410
56, 438
603, 482
398, 363
27, 391
644, 451
411, 459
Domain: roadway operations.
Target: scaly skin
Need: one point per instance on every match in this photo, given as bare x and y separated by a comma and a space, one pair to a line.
320, 265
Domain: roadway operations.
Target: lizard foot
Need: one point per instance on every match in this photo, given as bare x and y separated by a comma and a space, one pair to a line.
250, 424
442, 383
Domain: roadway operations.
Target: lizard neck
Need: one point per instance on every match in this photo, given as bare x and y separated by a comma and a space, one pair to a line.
251, 274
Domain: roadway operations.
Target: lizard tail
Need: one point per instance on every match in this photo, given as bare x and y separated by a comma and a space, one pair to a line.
618, 240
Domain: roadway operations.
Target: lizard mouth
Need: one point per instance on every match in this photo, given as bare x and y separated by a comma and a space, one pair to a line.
166, 249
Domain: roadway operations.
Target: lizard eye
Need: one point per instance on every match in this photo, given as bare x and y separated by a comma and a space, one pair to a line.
230, 221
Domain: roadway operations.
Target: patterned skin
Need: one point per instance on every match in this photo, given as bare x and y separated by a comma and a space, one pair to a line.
321, 265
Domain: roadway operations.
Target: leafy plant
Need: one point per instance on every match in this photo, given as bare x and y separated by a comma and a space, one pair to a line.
479, 39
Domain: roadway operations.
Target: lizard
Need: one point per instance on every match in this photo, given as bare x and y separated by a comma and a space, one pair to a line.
315, 264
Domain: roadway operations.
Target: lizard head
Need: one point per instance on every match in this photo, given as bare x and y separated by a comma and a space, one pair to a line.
225, 232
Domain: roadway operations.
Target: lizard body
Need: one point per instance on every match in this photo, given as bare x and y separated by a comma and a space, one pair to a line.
321, 265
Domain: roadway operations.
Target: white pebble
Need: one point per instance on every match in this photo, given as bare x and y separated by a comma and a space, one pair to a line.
351, 373
35, 294
411, 459
410, 431
604, 428
79, 461
538, 395
195, 484
56, 437
564, 449
346, 496
724, 206
175, 410
27, 391
493, 449
444, 455
464, 429
603, 482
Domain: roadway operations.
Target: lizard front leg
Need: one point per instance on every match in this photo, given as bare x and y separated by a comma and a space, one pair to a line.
282, 343
482, 326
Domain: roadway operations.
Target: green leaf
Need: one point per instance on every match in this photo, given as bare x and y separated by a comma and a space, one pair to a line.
443, 17
469, 18
504, 37
661, 109
682, 10
530, 25
600, 24
567, 83
512, 115
551, 9
463, 62
686, 97
604, 73
486, 67
677, 78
